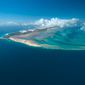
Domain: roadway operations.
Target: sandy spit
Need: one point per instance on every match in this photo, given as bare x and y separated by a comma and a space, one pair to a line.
28, 42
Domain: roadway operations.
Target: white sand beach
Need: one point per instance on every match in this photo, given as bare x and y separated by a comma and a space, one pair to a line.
28, 42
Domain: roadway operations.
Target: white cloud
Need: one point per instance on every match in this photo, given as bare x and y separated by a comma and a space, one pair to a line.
12, 23
83, 27
24, 24
57, 22
54, 22
49, 23
8, 23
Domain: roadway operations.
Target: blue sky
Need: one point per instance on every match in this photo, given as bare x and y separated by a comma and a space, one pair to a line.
28, 10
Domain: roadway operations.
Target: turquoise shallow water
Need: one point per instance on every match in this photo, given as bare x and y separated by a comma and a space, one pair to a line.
21, 64
66, 38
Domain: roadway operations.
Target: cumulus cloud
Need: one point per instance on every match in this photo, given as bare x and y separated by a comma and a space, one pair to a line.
8, 23
12, 23
24, 24
83, 27
50, 23
57, 22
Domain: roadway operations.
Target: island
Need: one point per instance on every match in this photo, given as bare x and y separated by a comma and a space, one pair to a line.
50, 38
25, 36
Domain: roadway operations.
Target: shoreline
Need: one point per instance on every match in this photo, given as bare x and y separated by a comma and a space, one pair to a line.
46, 46
27, 42
35, 44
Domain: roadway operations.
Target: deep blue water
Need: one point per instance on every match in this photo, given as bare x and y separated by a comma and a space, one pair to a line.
24, 65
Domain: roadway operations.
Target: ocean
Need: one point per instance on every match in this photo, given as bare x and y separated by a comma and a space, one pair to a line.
21, 64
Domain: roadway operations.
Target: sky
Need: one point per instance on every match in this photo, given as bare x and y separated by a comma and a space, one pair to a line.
29, 10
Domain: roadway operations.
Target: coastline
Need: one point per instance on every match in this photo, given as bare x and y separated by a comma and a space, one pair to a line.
27, 42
